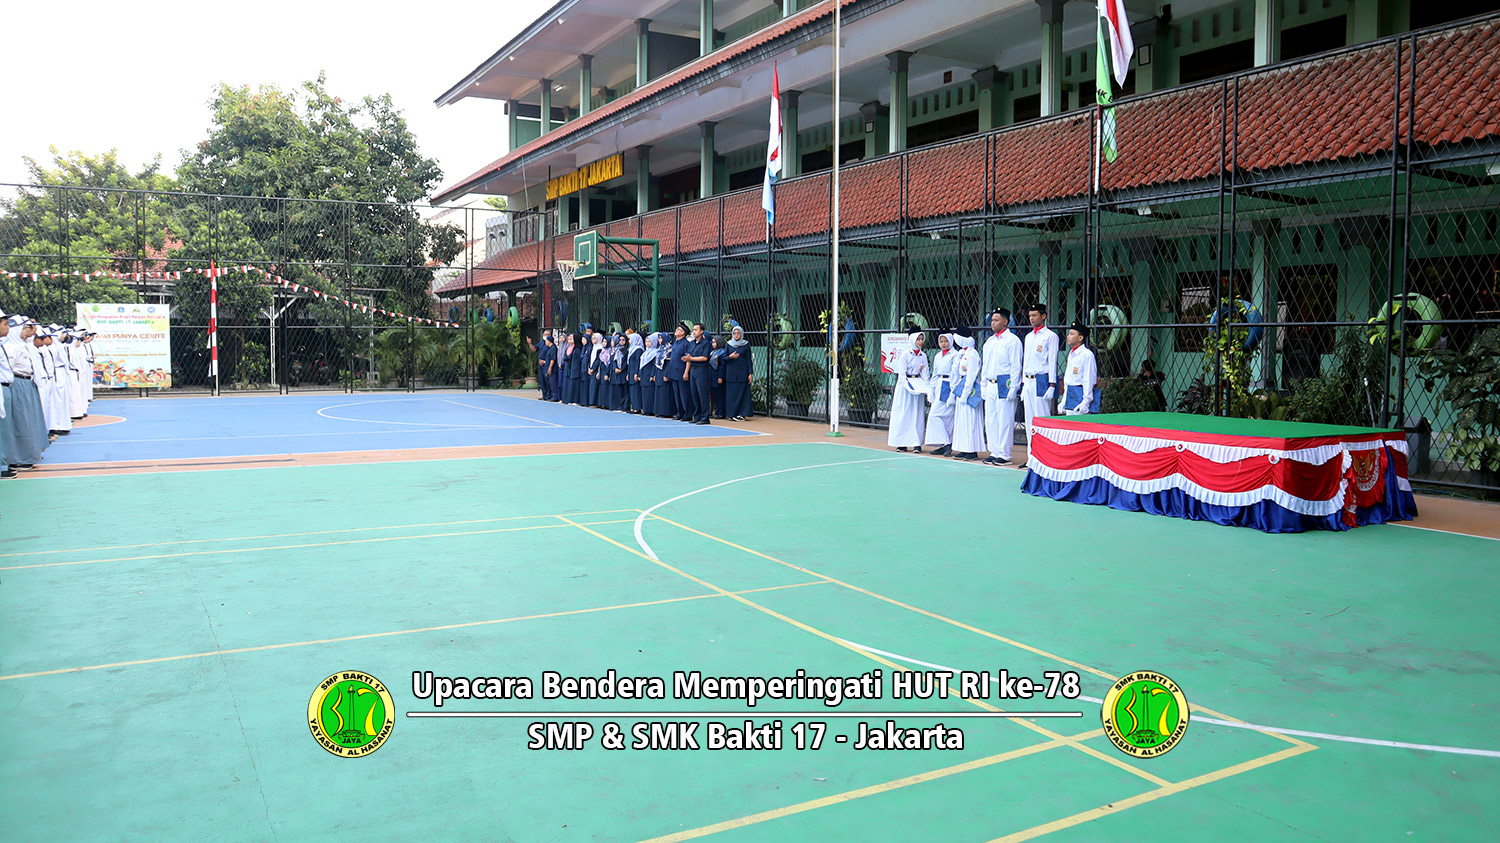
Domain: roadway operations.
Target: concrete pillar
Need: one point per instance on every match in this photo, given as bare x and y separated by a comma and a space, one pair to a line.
1150, 38
1265, 277
1371, 19
1048, 253
1267, 32
705, 27
512, 126
585, 85
995, 106
900, 107
642, 51
706, 159
642, 179
791, 151
546, 114
564, 214
1052, 56
874, 120
584, 220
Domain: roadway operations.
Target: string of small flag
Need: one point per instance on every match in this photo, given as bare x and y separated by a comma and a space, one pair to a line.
245, 269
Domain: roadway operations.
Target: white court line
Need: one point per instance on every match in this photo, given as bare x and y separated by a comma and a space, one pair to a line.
1436, 530
499, 412
1194, 717
323, 412
641, 540
466, 429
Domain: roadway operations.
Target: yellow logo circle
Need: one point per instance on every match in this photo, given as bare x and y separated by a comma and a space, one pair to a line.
1145, 714
351, 714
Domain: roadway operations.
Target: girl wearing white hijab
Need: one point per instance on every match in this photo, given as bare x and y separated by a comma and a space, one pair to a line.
940, 416
633, 380
595, 376
968, 414
648, 374
906, 401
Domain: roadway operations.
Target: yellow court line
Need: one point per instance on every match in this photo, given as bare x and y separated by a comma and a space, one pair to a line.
310, 544
960, 624
309, 533
860, 793
1151, 795
1087, 750
395, 632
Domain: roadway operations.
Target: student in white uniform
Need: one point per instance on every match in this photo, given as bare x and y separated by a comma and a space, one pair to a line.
940, 414
968, 414
29, 422
1039, 367
44, 372
1080, 375
1001, 385
78, 404
907, 399
62, 373
88, 374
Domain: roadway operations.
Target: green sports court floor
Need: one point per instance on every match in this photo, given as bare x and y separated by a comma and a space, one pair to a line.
161, 636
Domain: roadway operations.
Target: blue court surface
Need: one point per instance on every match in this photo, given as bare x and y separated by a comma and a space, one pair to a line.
234, 426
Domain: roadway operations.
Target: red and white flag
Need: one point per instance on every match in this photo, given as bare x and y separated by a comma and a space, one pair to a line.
773, 150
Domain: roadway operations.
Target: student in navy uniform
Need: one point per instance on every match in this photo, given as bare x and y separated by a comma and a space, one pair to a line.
620, 401
573, 393
633, 374
700, 374
544, 354
739, 371
666, 393
677, 372
717, 390
649, 356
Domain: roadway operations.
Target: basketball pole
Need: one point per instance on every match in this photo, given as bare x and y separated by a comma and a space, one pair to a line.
833, 353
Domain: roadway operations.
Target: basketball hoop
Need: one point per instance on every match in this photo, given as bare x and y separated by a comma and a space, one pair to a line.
567, 269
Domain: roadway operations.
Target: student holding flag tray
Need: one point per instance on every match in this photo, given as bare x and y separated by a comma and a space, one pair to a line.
968, 414
1081, 376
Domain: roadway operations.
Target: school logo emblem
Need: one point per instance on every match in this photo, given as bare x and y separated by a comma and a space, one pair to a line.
1145, 714
351, 714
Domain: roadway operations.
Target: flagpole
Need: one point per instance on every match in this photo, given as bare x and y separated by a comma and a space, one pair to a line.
833, 383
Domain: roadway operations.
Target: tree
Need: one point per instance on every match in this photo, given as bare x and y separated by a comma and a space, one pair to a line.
84, 231
312, 145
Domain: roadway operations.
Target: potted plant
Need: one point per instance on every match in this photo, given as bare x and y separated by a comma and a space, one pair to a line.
860, 386
799, 379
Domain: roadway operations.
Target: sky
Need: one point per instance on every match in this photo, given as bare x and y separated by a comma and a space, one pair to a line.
137, 77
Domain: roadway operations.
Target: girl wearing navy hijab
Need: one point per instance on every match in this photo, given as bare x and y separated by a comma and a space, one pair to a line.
666, 395
716, 363
738, 367
647, 405
633, 374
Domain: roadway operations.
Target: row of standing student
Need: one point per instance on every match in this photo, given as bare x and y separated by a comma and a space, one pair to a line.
46, 383
685, 375
973, 393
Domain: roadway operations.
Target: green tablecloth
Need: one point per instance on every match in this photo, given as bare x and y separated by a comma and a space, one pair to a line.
1216, 426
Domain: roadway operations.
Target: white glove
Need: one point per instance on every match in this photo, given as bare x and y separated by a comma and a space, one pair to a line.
1048, 396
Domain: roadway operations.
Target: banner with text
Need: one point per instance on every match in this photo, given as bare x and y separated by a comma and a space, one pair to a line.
133, 348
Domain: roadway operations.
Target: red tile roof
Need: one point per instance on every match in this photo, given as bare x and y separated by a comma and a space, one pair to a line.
1331, 109
675, 77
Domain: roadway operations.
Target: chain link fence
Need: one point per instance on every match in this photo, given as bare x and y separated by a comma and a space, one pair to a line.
1317, 241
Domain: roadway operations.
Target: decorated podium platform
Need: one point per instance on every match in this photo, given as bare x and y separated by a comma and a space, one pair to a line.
1279, 477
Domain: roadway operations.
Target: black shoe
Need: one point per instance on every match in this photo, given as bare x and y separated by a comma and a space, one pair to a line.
9, 473
916, 450
902, 450
1000, 461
